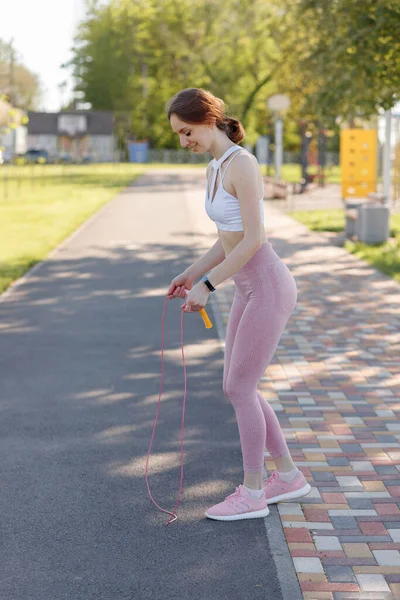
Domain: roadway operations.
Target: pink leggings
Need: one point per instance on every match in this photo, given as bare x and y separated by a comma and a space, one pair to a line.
264, 300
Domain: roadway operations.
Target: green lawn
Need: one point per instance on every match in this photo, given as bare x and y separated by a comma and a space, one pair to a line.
292, 173
41, 205
385, 257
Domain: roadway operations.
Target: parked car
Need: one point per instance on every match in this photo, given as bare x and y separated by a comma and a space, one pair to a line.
65, 158
36, 156
88, 159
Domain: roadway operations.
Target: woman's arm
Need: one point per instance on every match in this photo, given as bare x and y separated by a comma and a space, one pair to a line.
239, 256
208, 261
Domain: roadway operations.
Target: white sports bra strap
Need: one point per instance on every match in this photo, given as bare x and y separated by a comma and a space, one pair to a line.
216, 166
213, 179
229, 162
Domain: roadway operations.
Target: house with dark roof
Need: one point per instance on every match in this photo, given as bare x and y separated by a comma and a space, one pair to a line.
79, 134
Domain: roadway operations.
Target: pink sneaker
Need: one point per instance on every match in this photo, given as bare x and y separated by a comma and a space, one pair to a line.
239, 505
276, 490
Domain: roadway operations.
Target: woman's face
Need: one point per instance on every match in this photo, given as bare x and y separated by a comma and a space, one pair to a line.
195, 137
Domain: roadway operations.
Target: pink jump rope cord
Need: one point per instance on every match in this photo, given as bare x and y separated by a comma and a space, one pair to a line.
173, 513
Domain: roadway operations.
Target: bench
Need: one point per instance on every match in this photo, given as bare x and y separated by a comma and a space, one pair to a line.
275, 188
375, 197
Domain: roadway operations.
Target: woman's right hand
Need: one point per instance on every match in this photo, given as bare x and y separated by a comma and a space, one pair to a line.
178, 286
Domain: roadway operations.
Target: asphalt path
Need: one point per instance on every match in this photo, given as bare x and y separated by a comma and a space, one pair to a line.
80, 352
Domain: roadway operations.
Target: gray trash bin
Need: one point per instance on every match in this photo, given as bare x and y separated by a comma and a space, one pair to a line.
372, 225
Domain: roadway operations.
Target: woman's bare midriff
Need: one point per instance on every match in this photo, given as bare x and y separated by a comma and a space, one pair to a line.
230, 239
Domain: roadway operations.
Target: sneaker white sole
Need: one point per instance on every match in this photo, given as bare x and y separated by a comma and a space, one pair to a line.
290, 495
250, 515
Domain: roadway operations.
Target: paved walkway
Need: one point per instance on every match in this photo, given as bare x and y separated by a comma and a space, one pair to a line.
80, 350
321, 198
335, 385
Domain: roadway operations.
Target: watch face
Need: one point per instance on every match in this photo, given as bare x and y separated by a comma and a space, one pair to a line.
208, 284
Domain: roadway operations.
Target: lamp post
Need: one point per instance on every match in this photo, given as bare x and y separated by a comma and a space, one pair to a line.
387, 158
278, 105
305, 142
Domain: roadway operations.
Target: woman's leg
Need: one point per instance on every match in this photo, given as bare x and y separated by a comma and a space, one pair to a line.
253, 480
274, 438
236, 312
257, 336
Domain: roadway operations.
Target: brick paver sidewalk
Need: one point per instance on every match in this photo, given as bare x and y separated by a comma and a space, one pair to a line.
335, 385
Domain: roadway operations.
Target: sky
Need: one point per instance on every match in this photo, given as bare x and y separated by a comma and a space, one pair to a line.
43, 32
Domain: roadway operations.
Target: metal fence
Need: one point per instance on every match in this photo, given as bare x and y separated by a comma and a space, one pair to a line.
177, 157
181, 156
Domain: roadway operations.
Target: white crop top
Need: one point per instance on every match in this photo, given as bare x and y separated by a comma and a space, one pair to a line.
224, 210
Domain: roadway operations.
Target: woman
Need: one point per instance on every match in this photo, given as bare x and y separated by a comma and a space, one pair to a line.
265, 296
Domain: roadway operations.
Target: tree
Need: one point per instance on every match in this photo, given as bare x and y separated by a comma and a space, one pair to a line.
134, 56
19, 84
348, 60
333, 57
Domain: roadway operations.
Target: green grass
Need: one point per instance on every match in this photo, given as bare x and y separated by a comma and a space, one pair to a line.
321, 220
292, 173
41, 205
385, 257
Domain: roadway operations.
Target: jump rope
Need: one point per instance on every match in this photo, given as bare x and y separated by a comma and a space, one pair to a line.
208, 325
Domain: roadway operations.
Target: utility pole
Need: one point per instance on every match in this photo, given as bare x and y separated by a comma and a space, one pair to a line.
11, 73
145, 90
387, 158
278, 105
12, 93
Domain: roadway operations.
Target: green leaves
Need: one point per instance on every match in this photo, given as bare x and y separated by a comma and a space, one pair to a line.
134, 56
26, 89
364, 42
333, 57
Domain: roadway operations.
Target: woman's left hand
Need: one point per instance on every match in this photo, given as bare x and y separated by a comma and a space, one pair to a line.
197, 298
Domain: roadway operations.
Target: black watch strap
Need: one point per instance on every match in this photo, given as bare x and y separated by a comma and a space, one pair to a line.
208, 284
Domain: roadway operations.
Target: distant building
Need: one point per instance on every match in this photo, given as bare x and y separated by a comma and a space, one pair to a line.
76, 135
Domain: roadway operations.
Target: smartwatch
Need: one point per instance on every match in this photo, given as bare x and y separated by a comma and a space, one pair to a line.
208, 284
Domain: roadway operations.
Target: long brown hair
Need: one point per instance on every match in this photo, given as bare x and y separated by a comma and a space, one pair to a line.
195, 105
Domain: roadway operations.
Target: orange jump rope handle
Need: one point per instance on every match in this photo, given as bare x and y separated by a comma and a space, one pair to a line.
203, 315
205, 318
